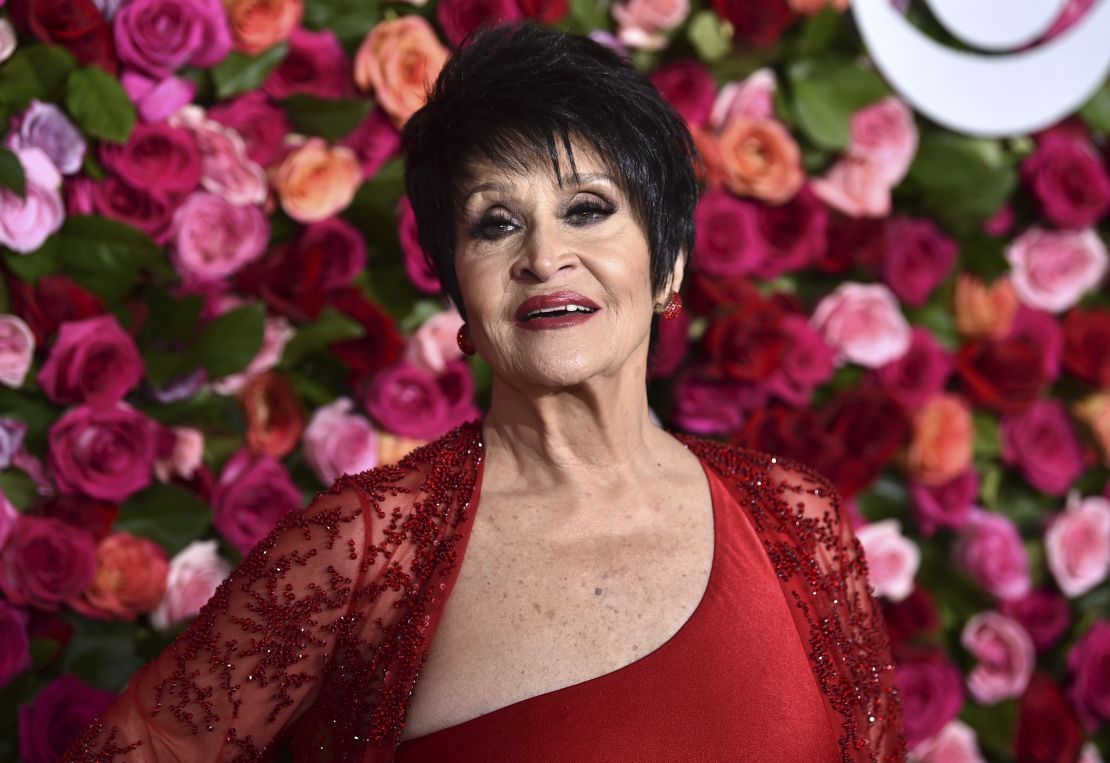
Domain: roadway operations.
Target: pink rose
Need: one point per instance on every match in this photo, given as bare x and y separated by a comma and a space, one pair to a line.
713, 406
337, 441
213, 237
864, 324
8, 40
753, 97
374, 141
45, 126
687, 85
226, 170
806, 364
92, 361
262, 125
917, 257
458, 18
17, 350
955, 743
26, 223
1043, 613
793, 234
1089, 685
157, 99
892, 558
276, 334
185, 455
15, 646
884, 134
932, 692
104, 453
1052, 270
948, 504
1077, 544
253, 493
149, 210
642, 22
46, 562
419, 270
1005, 654
989, 549
920, 374
315, 65
1068, 180
856, 187
407, 400
194, 574
728, 242
156, 157
1042, 442
161, 36
434, 344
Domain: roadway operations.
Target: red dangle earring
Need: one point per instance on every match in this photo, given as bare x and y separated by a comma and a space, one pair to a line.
466, 344
673, 308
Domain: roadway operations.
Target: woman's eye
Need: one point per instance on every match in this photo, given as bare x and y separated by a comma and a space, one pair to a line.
588, 212
496, 227
492, 228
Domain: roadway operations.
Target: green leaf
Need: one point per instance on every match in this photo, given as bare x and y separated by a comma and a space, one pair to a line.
819, 31
349, 20
19, 488
11, 173
988, 441
331, 119
887, 498
171, 516
37, 71
104, 255
44, 261
1096, 111
590, 14
99, 105
101, 653
826, 94
962, 180
239, 73
229, 343
331, 326
709, 35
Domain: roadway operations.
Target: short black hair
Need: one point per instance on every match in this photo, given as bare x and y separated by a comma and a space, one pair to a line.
506, 93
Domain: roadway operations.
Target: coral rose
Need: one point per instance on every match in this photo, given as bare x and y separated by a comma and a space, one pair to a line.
942, 440
1094, 411
1077, 544
316, 181
260, 24
760, 158
273, 414
193, 576
399, 60
130, 579
982, 311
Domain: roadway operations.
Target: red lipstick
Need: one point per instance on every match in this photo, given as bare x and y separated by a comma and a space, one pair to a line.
556, 310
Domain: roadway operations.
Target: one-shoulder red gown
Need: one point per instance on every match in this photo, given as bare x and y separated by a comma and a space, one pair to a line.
733, 684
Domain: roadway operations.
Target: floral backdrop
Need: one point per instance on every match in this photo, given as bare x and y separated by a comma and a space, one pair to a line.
213, 303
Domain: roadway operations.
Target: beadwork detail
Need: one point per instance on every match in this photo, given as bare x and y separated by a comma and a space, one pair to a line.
315, 642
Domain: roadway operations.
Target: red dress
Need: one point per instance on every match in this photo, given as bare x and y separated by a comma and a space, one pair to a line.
315, 642
733, 684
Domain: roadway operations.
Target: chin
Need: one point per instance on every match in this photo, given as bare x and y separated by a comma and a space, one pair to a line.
554, 368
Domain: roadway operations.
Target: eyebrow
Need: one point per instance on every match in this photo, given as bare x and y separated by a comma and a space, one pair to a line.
500, 187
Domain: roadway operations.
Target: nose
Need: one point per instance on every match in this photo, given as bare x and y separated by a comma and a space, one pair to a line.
543, 256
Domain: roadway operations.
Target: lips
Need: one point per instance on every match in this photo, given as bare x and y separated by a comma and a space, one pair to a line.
559, 304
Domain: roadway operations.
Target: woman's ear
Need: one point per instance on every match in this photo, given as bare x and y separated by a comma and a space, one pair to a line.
675, 282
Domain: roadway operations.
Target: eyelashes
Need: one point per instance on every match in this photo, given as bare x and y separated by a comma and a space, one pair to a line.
498, 225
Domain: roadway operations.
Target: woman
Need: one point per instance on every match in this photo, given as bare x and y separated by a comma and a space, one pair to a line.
564, 580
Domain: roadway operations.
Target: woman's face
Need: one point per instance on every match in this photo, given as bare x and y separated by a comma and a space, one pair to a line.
525, 245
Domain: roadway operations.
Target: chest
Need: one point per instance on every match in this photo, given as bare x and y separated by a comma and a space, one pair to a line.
534, 611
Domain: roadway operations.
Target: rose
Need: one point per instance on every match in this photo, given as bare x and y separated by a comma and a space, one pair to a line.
15, 647
942, 440
759, 23
918, 375
193, 576
793, 234
8, 40
912, 616
46, 562
760, 158
76, 25
1068, 180
93, 361
687, 85
863, 323
751, 97
262, 125
988, 547
711, 170
260, 24
1043, 333
947, 504
12, 432
1005, 654
338, 442
777, 428
95, 516
213, 237
1004, 374
705, 405
1089, 689
1041, 441
157, 99
1086, 337
8, 517
863, 427
253, 493
917, 258
727, 243
1077, 544
1047, 729
1094, 411
342, 249
46, 126
884, 135
315, 64
1043, 613
381, 343
932, 693
184, 456
419, 270
955, 743
892, 558
1051, 270
275, 335
458, 18
159, 37
374, 141
49, 301
316, 181
746, 344
148, 210
25, 223
642, 22
434, 344
273, 414
811, 7
983, 311
806, 363
130, 579
399, 60
57, 716
17, 350
671, 347
856, 187
226, 169
410, 401
156, 157
105, 453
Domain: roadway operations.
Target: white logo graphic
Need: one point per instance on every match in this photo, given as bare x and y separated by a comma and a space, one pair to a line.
990, 95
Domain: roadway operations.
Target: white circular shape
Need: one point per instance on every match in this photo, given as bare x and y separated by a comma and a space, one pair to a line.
997, 24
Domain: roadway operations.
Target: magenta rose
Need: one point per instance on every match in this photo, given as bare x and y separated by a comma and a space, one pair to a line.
410, 401
793, 234
213, 237
315, 65
156, 157
93, 361
193, 576
420, 272
343, 249
159, 37
262, 125
1043, 613
1005, 657
46, 562
374, 141
932, 692
253, 493
46, 126
26, 222
338, 441
917, 258
864, 324
1042, 443
15, 647
688, 86
671, 347
157, 99
104, 453
920, 374
728, 242
948, 504
1043, 333
57, 715
807, 362
1089, 671
1069, 181
990, 550
1077, 545
457, 18
148, 210
704, 405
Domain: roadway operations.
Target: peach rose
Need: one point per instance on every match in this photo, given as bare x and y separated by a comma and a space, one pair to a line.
273, 414
942, 440
710, 149
392, 448
984, 312
194, 573
1077, 544
316, 181
130, 578
813, 7
1094, 411
399, 60
760, 158
892, 558
259, 24
855, 186
864, 324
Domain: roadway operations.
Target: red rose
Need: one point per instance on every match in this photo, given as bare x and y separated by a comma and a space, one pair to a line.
761, 22
912, 616
853, 241
97, 517
76, 25
51, 301
46, 563
789, 432
706, 294
382, 344
156, 156
793, 234
1044, 613
274, 416
1005, 375
746, 344
1047, 729
868, 425
147, 209
1086, 339
547, 11
457, 18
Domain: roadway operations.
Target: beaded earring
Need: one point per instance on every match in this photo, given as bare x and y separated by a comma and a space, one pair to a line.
672, 309
466, 344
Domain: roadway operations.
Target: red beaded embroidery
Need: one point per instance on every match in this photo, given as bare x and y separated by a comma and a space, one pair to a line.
316, 640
